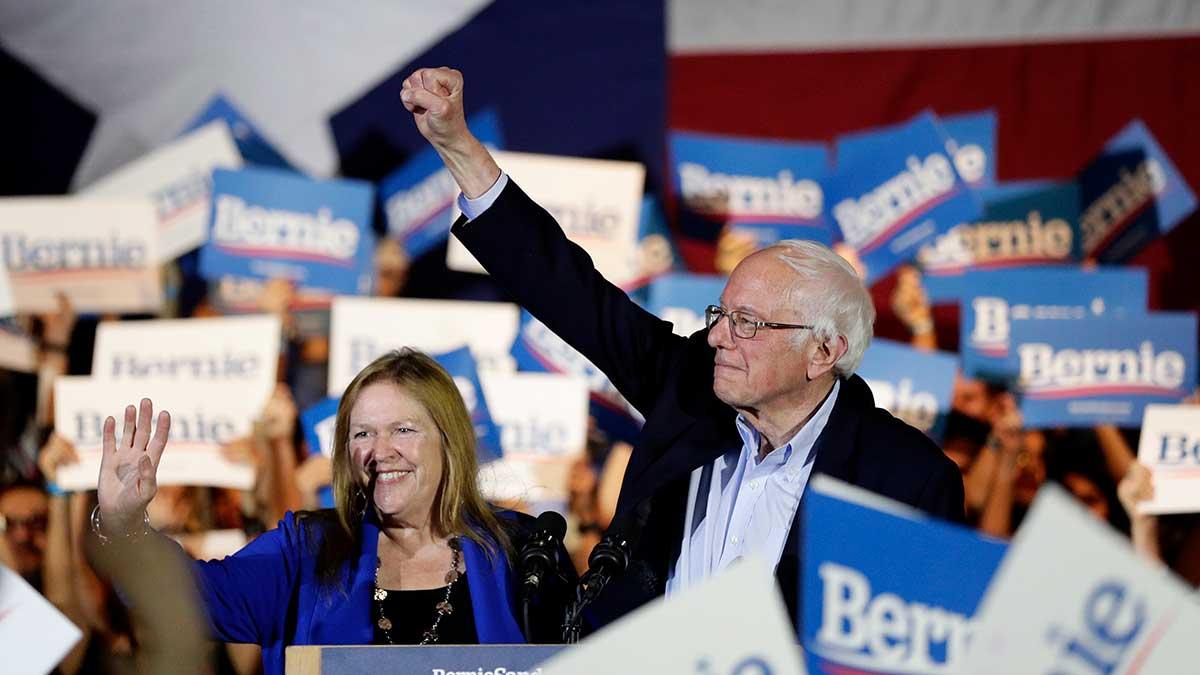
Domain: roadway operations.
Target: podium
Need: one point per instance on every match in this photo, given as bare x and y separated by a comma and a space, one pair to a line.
426, 660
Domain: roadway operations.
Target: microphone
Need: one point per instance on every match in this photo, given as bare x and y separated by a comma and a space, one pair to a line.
538, 558
609, 559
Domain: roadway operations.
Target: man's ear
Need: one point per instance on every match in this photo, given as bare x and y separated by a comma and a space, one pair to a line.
826, 354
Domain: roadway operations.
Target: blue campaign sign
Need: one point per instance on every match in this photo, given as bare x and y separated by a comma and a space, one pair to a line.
970, 139
992, 299
973, 145
912, 384
318, 421
886, 589
268, 223
538, 349
1033, 227
418, 198
749, 183
461, 366
681, 299
657, 250
254, 148
1131, 194
1084, 372
894, 191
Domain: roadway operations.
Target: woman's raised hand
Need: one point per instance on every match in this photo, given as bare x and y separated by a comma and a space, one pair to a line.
129, 466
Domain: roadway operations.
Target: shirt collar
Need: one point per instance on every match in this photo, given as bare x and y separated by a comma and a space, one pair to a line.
805, 438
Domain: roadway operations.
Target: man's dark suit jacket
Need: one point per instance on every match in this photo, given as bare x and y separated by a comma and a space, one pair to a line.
669, 380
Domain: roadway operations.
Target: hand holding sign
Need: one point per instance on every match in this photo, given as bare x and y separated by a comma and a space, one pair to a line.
129, 466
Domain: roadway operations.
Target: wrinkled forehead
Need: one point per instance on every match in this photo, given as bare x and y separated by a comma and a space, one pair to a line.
763, 283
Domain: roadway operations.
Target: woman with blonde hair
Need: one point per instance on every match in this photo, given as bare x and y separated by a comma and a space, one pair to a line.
411, 553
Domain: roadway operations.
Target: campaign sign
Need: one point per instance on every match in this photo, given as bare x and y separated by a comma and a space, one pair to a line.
972, 143
39, 635
268, 223
970, 139
993, 298
1037, 226
1132, 193
8, 306
1170, 447
912, 384
897, 192
101, 253
318, 422
887, 589
1034, 228
733, 624
539, 349
657, 251
362, 329
204, 416
1083, 372
240, 350
251, 145
177, 177
597, 202
461, 366
419, 197
682, 298
1071, 596
543, 430
755, 185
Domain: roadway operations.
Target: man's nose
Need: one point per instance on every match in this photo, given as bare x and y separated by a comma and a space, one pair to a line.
719, 335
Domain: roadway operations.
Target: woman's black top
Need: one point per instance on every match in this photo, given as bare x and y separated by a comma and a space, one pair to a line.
412, 613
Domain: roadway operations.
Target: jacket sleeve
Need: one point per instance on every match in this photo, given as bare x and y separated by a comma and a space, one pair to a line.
942, 495
524, 249
247, 594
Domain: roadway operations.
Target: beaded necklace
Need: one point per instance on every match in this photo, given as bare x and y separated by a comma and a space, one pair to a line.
443, 609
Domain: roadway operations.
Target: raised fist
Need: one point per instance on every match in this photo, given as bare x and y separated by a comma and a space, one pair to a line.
435, 98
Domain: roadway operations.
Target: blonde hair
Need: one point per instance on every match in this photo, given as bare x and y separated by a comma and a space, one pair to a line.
458, 507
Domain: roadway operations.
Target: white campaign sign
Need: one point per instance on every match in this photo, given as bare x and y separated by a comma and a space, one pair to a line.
1071, 596
35, 634
1170, 447
101, 253
734, 624
242, 350
362, 329
597, 202
177, 177
543, 429
204, 415
7, 306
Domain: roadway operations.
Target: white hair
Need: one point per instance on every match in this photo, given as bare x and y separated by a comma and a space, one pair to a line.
829, 295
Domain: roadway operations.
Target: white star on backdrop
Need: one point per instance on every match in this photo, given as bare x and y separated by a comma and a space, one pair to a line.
146, 68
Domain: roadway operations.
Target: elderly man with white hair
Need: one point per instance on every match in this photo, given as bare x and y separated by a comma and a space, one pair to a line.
739, 416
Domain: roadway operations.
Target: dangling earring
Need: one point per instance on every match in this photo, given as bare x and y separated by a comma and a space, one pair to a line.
362, 496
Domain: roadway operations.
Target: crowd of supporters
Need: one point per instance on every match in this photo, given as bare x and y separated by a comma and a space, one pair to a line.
45, 529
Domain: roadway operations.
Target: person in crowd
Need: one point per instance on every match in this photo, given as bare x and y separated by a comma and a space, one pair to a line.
24, 515
411, 554
738, 416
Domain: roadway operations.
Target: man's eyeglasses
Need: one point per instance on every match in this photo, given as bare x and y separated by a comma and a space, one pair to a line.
741, 324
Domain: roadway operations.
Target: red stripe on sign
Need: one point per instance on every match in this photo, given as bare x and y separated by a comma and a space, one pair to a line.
1079, 392
262, 252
